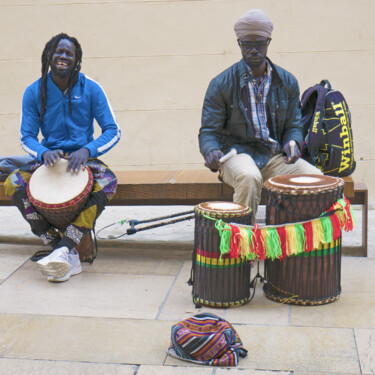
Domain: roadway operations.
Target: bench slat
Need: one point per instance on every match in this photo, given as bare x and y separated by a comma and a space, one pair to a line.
172, 187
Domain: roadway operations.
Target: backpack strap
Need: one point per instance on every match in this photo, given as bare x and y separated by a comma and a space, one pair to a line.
314, 134
325, 82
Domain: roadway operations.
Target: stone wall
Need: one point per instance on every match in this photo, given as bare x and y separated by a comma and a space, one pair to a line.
155, 59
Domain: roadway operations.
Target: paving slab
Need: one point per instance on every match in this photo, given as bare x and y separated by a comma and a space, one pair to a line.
234, 371
173, 370
84, 339
179, 303
117, 315
357, 275
86, 294
351, 310
365, 339
260, 310
178, 370
297, 349
139, 261
38, 367
12, 257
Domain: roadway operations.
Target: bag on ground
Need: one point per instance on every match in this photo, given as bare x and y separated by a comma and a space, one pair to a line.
206, 339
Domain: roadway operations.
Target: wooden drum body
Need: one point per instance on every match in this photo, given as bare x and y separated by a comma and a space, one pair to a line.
218, 281
59, 195
312, 278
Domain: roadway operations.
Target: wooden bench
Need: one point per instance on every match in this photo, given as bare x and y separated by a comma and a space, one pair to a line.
190, 187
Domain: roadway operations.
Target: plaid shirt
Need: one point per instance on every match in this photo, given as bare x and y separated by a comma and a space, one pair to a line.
258, 91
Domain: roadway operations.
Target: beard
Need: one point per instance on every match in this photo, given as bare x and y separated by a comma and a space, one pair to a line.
255, 62
66, 73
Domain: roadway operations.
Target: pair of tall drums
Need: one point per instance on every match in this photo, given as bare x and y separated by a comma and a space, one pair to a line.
309, 279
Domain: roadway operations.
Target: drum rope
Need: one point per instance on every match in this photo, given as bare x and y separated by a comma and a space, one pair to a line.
132, 223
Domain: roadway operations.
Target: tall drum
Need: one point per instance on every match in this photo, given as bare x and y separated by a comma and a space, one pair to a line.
312, 278
218, 281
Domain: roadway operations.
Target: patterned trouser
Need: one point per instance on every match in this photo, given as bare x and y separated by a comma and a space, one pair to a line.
105, 184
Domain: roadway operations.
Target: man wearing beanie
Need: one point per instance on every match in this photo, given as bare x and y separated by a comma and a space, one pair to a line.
254, 108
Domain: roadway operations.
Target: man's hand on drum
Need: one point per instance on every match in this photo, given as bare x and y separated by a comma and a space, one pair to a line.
291, 152
51, 157
78, 158
212, 160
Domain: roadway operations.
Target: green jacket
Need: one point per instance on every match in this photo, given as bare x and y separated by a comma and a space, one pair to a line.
225, 123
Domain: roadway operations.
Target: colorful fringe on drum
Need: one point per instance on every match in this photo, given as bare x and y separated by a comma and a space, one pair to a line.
280, 241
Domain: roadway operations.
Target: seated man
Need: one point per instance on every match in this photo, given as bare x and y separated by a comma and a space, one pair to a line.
253, 107
62, 105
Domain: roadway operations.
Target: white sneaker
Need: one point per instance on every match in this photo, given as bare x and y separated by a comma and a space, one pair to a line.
59, 263
74, 268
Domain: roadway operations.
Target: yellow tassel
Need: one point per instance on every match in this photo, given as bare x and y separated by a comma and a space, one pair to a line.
265, 242
342, 218
318, 234
291, 240
244, 243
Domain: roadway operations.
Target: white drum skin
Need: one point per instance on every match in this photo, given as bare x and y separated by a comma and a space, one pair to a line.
56, 185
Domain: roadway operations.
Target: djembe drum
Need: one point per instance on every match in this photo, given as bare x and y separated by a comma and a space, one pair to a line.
218, 281
311, 278
59, 196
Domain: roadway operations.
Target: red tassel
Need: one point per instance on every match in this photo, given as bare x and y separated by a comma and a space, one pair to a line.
309, 243
234, 242
282, 235
333, 207
260, 245
336, 226
349, 221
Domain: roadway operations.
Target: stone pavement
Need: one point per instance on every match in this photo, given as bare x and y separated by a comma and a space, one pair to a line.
115, 317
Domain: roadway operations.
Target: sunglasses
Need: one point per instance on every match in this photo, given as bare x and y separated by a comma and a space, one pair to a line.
259, 46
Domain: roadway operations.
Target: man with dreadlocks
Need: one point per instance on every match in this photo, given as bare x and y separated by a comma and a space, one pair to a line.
62, 105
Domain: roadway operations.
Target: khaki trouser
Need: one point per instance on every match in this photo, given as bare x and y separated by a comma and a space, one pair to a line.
247, 179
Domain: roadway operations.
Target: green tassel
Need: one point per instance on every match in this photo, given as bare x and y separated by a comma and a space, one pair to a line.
327, 229
342, 202
301, 239
225, 232
273, 244
250, 235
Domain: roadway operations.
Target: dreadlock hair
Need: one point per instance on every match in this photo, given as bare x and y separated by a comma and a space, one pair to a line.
48, 51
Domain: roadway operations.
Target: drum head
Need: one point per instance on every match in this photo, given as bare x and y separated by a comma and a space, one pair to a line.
302, 183
223, 207
55, 185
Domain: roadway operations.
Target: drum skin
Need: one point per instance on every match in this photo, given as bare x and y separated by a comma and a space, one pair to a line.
218, 281
61, 214
311, 278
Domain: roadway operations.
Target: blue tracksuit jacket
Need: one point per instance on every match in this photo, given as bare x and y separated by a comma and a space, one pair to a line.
64, 130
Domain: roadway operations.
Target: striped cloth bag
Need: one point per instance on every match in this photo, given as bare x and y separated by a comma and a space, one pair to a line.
206, 339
